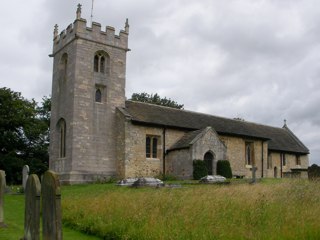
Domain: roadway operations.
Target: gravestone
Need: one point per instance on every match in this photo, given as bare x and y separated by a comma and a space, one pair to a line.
51, 207
213, 179
2, 190
32, 208
25, 174
254, 169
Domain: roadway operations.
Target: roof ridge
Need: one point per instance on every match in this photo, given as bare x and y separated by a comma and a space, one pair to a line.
201, 113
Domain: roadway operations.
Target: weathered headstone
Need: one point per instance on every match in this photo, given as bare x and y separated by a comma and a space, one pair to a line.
25, 174
32, 208
51, 207
2, 190
254, 169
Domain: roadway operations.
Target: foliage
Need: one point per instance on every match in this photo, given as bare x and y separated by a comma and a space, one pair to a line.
314, 172
224, 168
199, 169
166, 177
271, 210
155, 99
24, 134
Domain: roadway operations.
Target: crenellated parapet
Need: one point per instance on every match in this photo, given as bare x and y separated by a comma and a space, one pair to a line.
79, 30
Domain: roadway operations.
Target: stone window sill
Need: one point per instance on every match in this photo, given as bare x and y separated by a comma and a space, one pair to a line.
153, 159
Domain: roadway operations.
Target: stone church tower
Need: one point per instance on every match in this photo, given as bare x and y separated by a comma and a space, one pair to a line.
89, 67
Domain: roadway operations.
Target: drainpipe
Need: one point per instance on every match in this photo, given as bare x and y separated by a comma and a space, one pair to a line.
262, 159
164, 152
281, 164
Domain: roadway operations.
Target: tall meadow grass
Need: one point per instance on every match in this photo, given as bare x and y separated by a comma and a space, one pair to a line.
274, 210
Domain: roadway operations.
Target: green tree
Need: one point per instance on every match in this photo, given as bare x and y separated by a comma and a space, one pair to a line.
24, 134
155, 99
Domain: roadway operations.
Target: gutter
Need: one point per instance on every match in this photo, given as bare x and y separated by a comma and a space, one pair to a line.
262, 159
164, 152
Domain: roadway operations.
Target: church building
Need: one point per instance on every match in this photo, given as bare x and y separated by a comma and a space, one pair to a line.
95, 133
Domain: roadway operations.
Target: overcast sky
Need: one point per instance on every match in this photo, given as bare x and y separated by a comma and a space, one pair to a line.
254, 59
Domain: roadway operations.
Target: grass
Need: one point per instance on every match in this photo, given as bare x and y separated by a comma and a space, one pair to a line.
271, 209
268, 210
14, 219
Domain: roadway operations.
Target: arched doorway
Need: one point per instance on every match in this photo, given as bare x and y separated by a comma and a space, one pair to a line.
208, 159
275, 172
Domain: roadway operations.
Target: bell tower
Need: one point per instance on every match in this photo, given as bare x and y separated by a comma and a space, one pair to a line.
88, 84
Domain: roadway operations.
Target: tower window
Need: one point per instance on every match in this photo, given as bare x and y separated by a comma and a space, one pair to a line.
98, 95
101, 62
62, 138
64, 66
96, 63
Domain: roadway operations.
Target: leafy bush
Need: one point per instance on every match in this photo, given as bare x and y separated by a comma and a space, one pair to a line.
199, 169
314, 172
224, 168
166, 177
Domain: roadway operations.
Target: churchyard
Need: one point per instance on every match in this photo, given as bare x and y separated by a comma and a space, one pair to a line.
270, 209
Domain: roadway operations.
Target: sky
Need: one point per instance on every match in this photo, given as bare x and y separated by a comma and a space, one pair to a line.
258, 60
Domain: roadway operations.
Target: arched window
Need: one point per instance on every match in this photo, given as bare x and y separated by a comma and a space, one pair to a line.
208, 159
64, 66
249, 153
62, 137
102, 67
96, 63
101, 62
98, 95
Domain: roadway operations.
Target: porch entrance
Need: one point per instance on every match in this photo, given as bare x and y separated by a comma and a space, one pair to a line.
208, 159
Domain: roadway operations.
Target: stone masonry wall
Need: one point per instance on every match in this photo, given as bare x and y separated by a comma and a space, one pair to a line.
178, 163
135, 161
275, 168
236, 155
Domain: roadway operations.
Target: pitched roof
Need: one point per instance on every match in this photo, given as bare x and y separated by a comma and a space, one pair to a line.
280, 139
186, 140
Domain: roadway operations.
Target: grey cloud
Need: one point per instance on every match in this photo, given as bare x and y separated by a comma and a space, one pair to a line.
255, 59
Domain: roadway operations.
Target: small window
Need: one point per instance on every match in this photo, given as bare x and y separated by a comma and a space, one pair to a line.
298, 160
249, 153
283, 159
62, 138
98, 95
148, 147
152, 146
